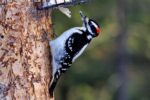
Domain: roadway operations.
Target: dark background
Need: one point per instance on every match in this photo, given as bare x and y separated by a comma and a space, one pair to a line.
116, 65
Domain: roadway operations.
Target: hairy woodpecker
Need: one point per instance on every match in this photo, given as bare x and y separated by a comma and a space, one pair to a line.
69, 46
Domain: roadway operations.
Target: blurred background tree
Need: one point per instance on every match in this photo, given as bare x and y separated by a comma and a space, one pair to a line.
116, 65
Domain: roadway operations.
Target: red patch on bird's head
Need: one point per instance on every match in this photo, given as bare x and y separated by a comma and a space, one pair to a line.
98, 30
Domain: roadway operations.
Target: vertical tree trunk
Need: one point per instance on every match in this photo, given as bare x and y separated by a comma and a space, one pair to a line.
121, 41
24, 51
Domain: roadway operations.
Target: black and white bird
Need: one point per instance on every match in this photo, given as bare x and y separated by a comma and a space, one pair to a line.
69, 46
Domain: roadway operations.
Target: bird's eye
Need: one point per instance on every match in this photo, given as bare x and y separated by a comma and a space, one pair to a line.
93, 28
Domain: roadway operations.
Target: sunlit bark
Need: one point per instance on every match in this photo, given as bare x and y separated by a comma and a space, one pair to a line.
24, 51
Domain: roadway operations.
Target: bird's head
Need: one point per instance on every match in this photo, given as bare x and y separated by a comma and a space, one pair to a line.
91, 26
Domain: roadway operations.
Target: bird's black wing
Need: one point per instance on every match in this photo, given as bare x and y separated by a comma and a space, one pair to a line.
75, 43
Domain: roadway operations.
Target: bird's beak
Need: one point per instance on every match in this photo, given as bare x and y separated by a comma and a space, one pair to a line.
82, 16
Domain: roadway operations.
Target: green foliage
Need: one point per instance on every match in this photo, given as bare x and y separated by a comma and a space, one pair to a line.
94, 75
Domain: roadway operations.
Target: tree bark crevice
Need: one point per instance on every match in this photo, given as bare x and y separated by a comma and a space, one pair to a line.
24, 52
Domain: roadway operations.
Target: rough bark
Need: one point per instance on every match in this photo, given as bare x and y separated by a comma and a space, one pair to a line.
24, 51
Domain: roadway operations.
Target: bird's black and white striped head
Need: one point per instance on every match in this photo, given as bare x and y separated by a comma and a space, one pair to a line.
91, 26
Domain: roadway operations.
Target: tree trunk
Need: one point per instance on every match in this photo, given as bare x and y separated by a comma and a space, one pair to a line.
121, 52
24, 51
